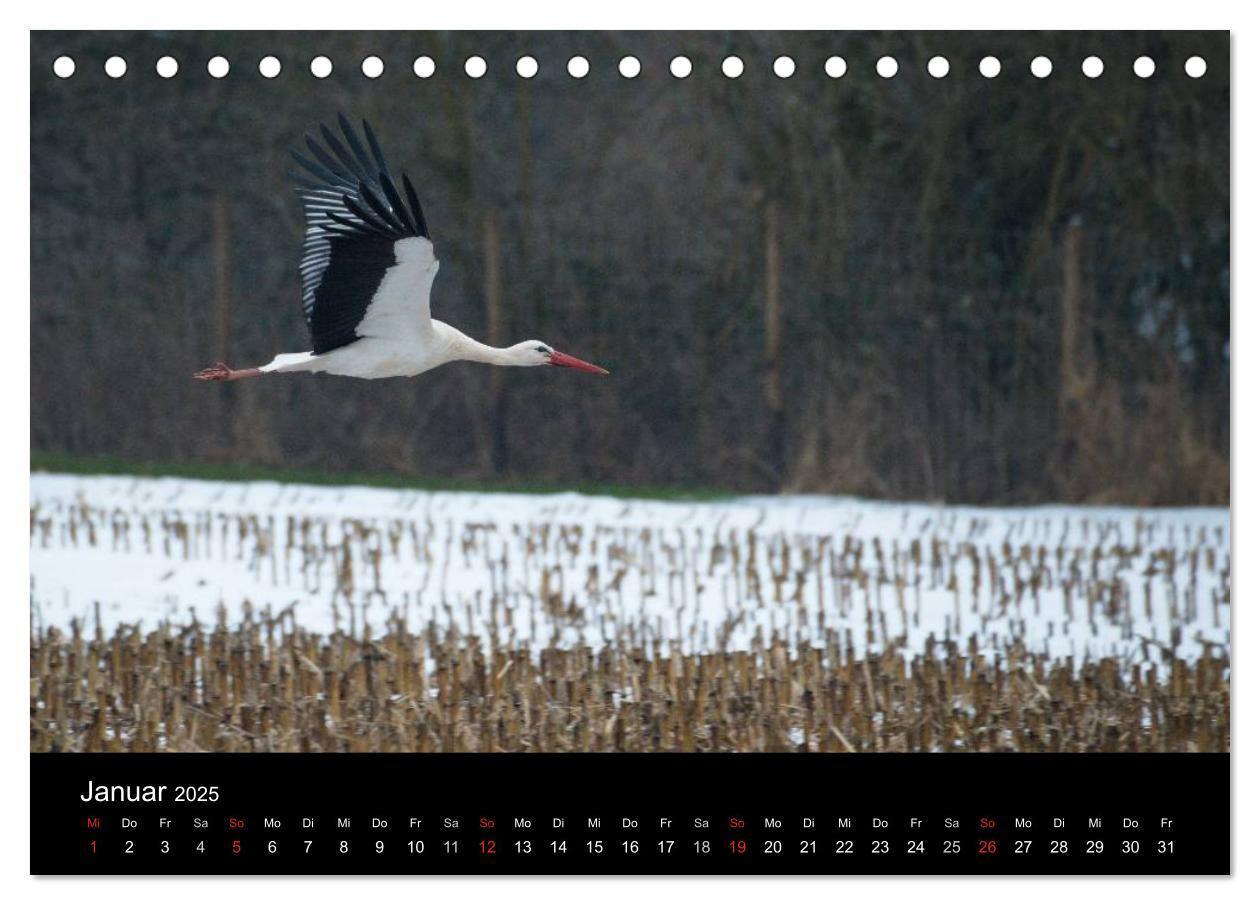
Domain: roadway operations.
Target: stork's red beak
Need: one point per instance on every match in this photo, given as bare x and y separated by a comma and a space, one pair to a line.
560, 360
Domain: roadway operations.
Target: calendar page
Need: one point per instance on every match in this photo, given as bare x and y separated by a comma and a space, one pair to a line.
630, 452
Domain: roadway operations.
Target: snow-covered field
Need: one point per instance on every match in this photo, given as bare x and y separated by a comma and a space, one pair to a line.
568, 569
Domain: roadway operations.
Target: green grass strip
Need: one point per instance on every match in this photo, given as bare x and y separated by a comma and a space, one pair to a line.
62, 463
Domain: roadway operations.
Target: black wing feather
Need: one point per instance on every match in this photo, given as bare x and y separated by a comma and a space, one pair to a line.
417, 214
381, 165
369, 217
320, 172
330, 162
354, 216
397, 206
348, 160
355, 145
381, 208
355, 268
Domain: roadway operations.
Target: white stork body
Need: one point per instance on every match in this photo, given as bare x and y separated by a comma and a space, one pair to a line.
367, 270
376, 357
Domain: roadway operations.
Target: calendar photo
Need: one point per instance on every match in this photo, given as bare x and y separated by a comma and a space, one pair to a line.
859, 400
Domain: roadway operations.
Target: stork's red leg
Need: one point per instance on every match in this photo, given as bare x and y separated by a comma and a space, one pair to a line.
222, 372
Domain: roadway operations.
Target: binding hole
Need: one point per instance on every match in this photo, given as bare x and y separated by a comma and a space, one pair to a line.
372, 66
115, 67
269, 67
218, 67
680, 67
1196, 67
63, 67
424, 67
527, 67
732, 67
1092, 67
475, 67
167, 67
321, 67
886, 67
835, 67
784, 67
579, 67
990, 67
938, 67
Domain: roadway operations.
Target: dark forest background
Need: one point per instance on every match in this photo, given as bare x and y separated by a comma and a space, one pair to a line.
962, 289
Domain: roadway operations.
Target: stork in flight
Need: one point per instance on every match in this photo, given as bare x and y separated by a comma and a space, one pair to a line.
367, 268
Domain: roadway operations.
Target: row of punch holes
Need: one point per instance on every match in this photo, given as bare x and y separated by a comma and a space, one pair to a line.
629, 67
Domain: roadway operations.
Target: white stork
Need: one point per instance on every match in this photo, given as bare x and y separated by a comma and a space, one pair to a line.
367, 268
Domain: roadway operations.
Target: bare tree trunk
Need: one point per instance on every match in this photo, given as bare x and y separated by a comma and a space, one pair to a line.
1075, 379
495, 336
1073, 369
221, 247
774, 346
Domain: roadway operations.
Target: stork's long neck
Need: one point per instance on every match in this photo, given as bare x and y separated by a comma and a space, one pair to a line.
465, 348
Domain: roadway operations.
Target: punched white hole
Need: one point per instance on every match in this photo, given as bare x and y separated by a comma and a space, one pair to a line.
732, 67
475, 67
835, 67
527, 67
1196, 67
938, 67
680, 67
115, 67
886, 67
167, 67
218, 67
1092, 67
990, 67
321, 67
579, 67
1144, 67
423, 67
629, 67
372, 67
63, 67
269, 67
784, 67
1041, 67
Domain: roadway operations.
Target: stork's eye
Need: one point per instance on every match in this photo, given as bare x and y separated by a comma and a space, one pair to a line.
543, 349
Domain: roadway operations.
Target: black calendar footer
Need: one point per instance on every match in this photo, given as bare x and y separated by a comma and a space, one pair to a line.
630, 814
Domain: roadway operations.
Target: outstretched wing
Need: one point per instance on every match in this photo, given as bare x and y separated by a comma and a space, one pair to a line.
367, 259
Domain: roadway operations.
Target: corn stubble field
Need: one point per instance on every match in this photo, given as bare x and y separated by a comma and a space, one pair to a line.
200, 616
